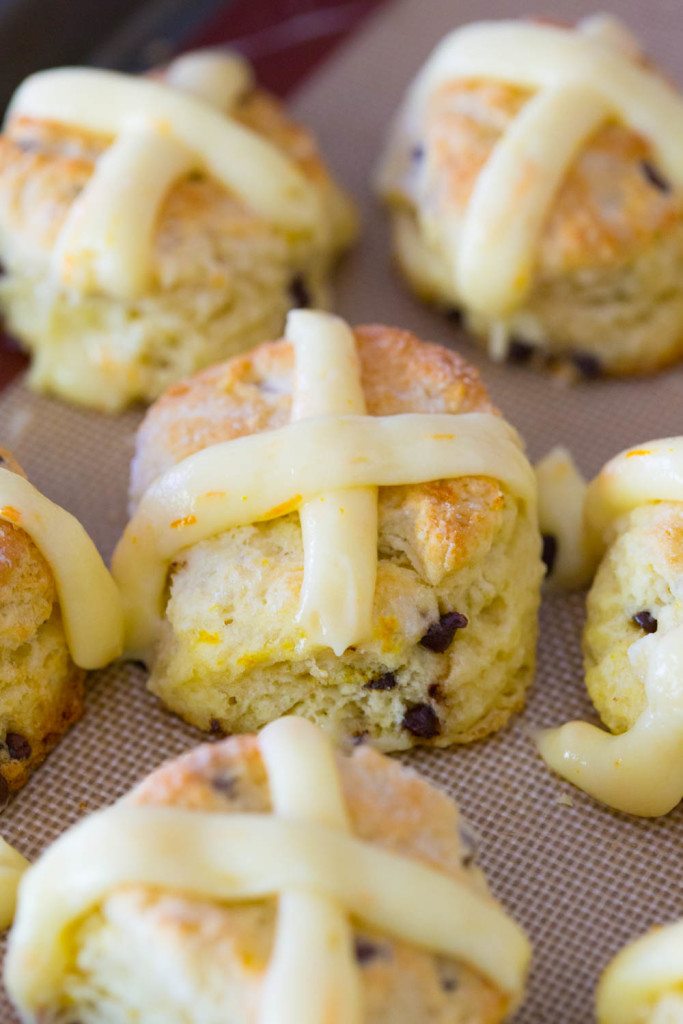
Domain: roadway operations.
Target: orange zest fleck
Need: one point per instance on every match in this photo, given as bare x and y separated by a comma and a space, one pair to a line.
283, 509
208, 638
443, 437
638, 451
185, 521
215, 494
13, 515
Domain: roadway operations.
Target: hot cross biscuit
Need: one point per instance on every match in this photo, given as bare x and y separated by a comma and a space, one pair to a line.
633, 638
266, 879
150, 226
263, 571
535, 176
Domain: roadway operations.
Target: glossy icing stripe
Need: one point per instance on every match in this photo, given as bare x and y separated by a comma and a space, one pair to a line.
262, 476
312, 975
339, 528
88, 598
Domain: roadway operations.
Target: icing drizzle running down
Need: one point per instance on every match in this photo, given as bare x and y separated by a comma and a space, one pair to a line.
302, 853
581, 79
329, 465
161, 131
12, 867
641, 770
88, 598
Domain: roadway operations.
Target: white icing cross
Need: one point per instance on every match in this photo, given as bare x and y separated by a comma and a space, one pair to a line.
162, 131
583, 78
303, 852
328, 465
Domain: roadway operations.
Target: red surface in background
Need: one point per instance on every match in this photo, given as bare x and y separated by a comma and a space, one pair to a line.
284, 39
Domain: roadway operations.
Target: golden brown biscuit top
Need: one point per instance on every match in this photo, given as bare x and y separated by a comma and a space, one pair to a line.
252, 392
44, 167
612, 202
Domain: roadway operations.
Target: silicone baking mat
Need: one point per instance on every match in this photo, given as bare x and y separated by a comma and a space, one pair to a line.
581, 879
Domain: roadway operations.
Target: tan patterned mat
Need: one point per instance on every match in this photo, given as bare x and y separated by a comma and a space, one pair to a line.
581, 879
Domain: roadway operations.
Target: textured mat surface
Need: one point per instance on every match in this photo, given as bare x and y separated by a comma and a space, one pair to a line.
581, 879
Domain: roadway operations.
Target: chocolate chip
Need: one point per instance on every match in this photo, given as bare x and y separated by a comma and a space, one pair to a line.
4, 792
646, 621
366, 950
449, 983
216, 729
589, 366
439, 636
417, 153
383, 682
299, 293
549, 551
18, 746
225, 783
655, 176
422, 720
435, 691
519, 351
359, 738
454, 315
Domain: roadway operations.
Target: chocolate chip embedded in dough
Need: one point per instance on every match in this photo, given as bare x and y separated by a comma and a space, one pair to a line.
646, 621
448, 978
422, 721
299, 293
387, 681
519, 351
225, 783
455, 316
440, 634
549, 551
216, 730
366, 950
4, 792
18, 746
588, 365
655, 176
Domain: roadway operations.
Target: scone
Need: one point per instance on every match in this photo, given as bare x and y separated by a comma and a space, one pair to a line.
59, 615
534, 177
633, 637
644, 982
261, 574
266, 879
149, 227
